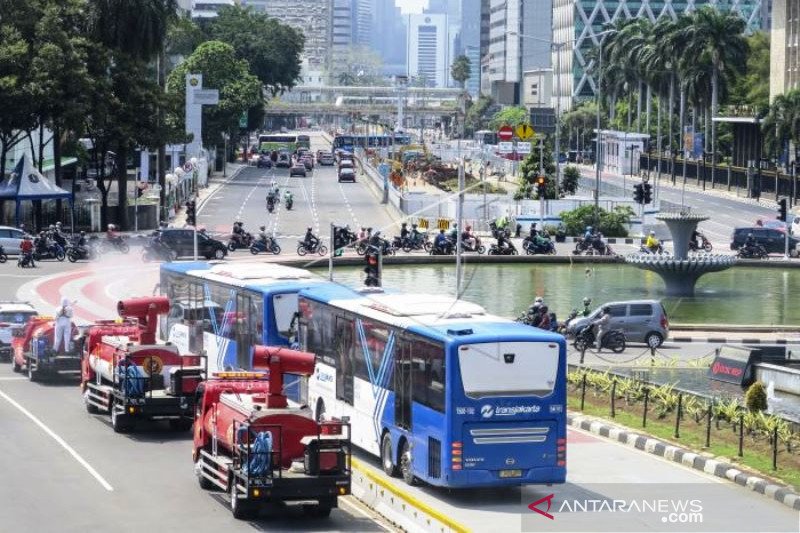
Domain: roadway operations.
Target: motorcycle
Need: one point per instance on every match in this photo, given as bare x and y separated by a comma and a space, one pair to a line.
532, 247
75, 253
477, 248
506, 250
446, 248
54, 251
614, 339
270, 205
155, 250
563, 327
118, 243
245, 240
3, 256
752, 252
318, 248
289, 203
705, 245
658, 251
25, 261
421, 242
593, 246
271, 245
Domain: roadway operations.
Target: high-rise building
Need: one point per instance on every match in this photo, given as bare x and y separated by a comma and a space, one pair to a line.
577, 22
341, 28
362, 21
428, 48
388, 36
470, 41
784, 52
519, 40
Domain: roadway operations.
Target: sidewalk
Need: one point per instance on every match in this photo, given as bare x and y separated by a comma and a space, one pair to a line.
214, 183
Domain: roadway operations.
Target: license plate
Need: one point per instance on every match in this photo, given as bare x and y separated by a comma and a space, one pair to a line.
511, 473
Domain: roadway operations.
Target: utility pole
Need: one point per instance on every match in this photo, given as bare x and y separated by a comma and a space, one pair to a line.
459, 216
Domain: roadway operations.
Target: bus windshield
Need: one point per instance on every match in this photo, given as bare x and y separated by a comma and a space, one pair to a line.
508, 369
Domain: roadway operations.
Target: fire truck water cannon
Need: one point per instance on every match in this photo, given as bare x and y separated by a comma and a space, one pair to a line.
280, 360
260, 450
128, 375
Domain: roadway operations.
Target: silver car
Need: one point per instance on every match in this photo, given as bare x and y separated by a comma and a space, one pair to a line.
10, 239
640, 320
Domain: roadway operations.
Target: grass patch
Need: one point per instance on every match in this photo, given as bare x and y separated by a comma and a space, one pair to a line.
724, 441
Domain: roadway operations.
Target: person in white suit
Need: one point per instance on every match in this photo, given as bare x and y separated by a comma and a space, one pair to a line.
63, 329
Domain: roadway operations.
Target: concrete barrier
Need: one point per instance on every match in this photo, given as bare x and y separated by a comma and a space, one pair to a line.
397, 505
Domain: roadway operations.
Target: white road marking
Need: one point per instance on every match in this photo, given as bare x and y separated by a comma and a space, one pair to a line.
13, 378
105, 484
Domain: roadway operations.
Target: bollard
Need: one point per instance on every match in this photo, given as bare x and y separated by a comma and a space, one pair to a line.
646, 398
708, 424
775, 448
652, 355
741, 434
613, 398
583, 390
678, 417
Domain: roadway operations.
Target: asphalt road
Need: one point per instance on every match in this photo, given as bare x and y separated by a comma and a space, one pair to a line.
319, 200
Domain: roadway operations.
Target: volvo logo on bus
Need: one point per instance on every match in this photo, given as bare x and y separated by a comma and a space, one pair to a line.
487, 411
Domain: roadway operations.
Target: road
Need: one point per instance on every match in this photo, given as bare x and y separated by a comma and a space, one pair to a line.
55, 454
319, 200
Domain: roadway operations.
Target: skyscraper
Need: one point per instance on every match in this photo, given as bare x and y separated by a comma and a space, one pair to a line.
428, 48
388, 36
577, 22
471, 42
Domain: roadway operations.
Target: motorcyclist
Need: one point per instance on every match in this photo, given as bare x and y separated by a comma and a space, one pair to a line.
749, 242
362, 235
271, 199
441, 242
601, 325
544, 323
652, 244
404, 231
26, 249
416, 235
40, 243
288, 199
588, 234
237, 234
587, 302
310, 241
81, 244
111, 233
58, 236
376, 241
454, 233
533, 231
469, 239
263, 238
502, 240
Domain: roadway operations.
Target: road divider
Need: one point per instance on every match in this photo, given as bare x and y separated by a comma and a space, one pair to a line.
397, 505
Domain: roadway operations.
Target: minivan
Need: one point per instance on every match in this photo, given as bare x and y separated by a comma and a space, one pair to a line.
640, 320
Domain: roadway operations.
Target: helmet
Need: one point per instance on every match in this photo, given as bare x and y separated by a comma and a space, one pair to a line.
83, 233
262, 228
588, 228
111, 226
532, 309
750, 234
469, 228
606, 310
441, 231
377, 233
308, 228
41, 234
238, 222
363, 228
543, 309
538, 300
413, 225
587, 301
404, 224
58, 223
52, 227
652, 232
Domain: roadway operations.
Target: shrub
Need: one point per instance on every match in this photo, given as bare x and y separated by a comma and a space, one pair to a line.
756, 397
569, 179
612, 224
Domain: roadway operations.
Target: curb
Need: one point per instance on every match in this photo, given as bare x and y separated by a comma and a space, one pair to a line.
780, 493
722, 340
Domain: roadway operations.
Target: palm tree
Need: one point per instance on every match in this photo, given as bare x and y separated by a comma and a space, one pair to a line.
716, 38
782, 123
134, 31
633, 38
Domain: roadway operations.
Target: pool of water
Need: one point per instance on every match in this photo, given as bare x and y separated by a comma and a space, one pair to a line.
739, 295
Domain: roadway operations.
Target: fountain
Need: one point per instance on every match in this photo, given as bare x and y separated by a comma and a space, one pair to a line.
681, 270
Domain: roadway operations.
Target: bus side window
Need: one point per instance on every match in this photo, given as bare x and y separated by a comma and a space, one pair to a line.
429, 374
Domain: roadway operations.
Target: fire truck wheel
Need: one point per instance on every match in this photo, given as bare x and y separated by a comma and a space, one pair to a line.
119, 421
241, 510
406, 464
387, 456
33, 374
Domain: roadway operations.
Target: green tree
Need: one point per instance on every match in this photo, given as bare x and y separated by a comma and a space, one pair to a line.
570, 179
512, 115
612, 223
271, 48
782, 123
752, 88
461, 70
476, 118
239, 90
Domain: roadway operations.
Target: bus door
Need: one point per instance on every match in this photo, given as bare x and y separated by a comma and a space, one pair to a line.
344, 355
243, 328
402, 385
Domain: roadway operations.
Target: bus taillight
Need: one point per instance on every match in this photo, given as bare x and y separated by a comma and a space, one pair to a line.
455, 452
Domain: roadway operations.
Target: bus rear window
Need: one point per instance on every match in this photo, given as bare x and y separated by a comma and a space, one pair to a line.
508, 369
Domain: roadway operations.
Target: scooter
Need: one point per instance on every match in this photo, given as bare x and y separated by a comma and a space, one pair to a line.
75, 253
614, 340
289, 203
478, 247
244, 241
155, 250
752, 252
532, 247
54, 251
447, 248
271, 245
506, 250
26, 260
318, 248
705, 244
270, 205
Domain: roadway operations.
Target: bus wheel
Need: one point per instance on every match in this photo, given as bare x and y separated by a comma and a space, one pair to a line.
387, 456
406, 468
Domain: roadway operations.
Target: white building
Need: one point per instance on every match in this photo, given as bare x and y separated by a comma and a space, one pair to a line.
537, 88
428, 48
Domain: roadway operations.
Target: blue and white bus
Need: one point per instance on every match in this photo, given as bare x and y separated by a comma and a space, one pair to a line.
225, 309
440, 390
348, 142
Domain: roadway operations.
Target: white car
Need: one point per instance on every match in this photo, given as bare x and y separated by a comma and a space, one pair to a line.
13, 316
10, 239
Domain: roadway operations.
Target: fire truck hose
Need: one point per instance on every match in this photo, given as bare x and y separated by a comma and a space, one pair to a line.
260, 453
132, 380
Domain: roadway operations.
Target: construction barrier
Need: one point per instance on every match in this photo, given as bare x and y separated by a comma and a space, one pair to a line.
443, 223
422, 223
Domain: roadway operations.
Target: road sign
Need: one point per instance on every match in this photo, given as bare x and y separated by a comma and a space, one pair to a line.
524, 131
505, 147
205, 96
524, 147
505, 133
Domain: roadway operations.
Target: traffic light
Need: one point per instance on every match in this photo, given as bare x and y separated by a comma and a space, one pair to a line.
638, 193
373, 268
190, 213
782, 209
648, 193
338, 243
541, 186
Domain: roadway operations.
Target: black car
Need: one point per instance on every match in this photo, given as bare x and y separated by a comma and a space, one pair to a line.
181, 241
264, 161
771, 239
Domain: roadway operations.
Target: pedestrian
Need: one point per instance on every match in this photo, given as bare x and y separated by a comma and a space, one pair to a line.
63, 327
